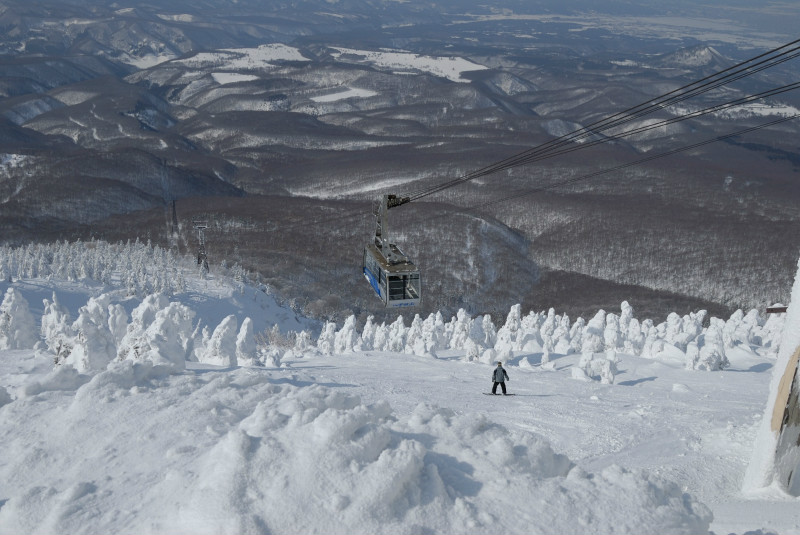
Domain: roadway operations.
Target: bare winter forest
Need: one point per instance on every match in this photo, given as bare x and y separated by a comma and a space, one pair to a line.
280, 125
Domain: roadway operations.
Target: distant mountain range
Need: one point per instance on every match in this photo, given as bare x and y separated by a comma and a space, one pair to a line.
269, 120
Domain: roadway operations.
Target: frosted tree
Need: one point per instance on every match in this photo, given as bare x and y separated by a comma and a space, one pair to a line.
415, 344
748, 330
694, 325
634, 339
593, 335
472, 350
673, 328
547, 349
650, 333
529, 338
397, 336
429, 335
461, 327
95, 346
477, 335
489, 356
576, 335
612, 338
141, 318
561, 336
507, 335
246, 353
771, 332
117, 322
625, 318
302, 342
167, 341
708, 352
489, 331
549, 325
327, 338
221, 349
447, 333
504, 354
381, 337
57, 329
200, 339
17, 326
433, 332
595, 367
270, 357
346, 339
366, 341
729, 329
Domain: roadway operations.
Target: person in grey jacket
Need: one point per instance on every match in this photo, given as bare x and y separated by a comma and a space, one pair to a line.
499, 377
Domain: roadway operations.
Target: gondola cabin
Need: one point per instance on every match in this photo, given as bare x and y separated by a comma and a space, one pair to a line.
390, 273
397, 284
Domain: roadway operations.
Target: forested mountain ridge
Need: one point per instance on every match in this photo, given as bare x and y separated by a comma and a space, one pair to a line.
263, 120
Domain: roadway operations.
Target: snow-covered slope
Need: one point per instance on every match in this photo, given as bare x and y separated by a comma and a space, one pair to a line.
379, 429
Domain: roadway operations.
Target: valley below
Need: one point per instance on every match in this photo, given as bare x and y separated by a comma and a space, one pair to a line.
278, 127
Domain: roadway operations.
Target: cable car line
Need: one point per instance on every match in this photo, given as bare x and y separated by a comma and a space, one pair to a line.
555, 185
691, 115
569, 181
547, 150
396, 280
357, 212
639, 110
736, 72
398, 283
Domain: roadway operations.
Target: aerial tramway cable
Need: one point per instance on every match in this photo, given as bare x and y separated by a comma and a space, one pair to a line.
565, 143
660, 124
741, 70
569, 181
572, 148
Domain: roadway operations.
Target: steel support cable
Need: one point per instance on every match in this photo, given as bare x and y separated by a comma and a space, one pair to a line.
533, 154
691, 115
524, 193
569, 181
523, 158
660, 124
653, 105
736, 72
591, 129
571, 148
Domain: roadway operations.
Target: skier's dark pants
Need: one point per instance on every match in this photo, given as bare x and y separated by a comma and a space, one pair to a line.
502, 385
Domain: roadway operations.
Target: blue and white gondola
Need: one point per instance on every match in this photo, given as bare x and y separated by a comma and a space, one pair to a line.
391, 274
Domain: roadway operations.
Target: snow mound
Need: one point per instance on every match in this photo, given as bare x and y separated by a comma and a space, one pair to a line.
435, 470
235, 451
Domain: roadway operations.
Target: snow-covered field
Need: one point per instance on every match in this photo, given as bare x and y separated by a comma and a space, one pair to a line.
151, 423
445, 67
345, 94
244, 59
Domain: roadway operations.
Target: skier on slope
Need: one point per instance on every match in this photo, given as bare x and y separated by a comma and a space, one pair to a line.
499, 376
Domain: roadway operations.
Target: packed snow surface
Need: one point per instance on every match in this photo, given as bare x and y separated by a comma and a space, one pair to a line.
445, 67
223, 78
165, 413
350, 92
244, 59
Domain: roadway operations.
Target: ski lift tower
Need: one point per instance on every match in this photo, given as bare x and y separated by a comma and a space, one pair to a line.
202, 258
